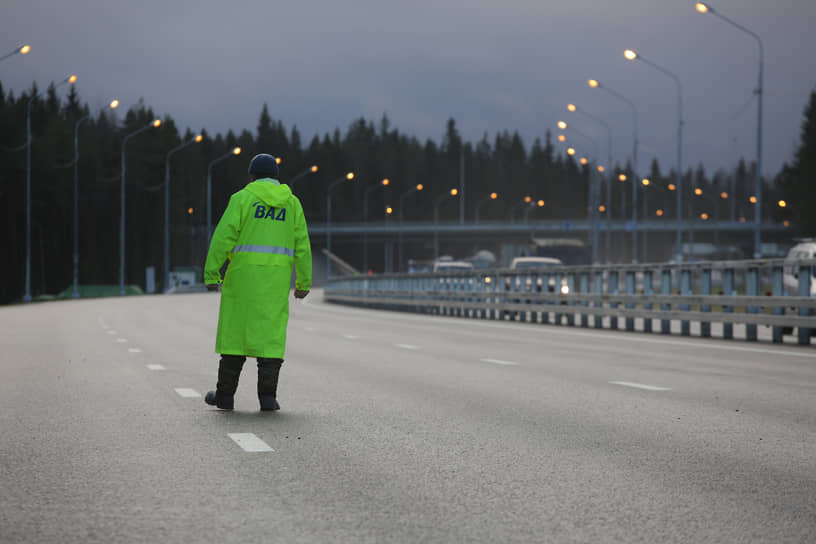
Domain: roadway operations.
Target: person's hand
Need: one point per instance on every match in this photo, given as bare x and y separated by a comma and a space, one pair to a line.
301, 293
212, 287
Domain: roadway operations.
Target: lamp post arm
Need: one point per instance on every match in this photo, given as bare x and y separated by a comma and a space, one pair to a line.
299, 176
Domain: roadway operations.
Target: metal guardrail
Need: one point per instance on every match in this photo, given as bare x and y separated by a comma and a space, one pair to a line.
727, 292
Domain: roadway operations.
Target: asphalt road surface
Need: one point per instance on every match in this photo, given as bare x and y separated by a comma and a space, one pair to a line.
397, 428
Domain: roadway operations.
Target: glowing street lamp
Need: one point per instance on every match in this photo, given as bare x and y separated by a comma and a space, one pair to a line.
437, 202
633, 55
311, 170
195, 140
562, 125
575, 109
27, 294
531, 205
782, 204
23, 50
416, 188
570, 151
154, 124
113, 105
348, 177
383, 183
621, 177
705, 8
562, 138
235, 151
479, 204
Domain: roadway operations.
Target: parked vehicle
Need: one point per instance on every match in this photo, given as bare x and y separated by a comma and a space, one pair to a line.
538, 265
805, 249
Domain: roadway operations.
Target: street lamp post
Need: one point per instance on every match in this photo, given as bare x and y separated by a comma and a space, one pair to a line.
27, 294
228, 154
594, 194
633, 55
526, 200
594, 83
384, 183
531, 206
348, 177
705, 8
195, 140
113, 105
23, 50
479, 204
154, 123
575, 109
311, 170
437, 202
402, 197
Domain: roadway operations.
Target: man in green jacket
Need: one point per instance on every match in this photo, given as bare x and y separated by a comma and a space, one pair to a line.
263, 235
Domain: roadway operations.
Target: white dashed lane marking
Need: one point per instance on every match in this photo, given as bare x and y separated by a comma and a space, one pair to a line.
350, 337
642, 386
134, 350
156, 367
187, 393
500, 362
406, 346
111, 331
249, 442
121, 340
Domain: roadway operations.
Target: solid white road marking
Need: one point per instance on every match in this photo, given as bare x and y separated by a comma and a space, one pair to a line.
121, 340
500, 362
406, 346
350, 337
156, 367
111, 331
642, 386
134, 350
187, 393
249, 442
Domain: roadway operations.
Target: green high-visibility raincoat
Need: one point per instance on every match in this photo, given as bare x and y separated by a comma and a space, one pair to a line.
263, 234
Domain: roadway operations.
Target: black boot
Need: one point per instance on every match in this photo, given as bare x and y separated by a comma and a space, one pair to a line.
229, 370
268, 372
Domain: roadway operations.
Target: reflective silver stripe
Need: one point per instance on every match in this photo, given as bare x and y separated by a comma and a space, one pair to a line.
264, 249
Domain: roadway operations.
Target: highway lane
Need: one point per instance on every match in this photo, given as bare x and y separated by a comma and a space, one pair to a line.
398, 428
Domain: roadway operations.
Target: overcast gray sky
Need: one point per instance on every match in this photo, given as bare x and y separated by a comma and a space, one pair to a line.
491, 65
